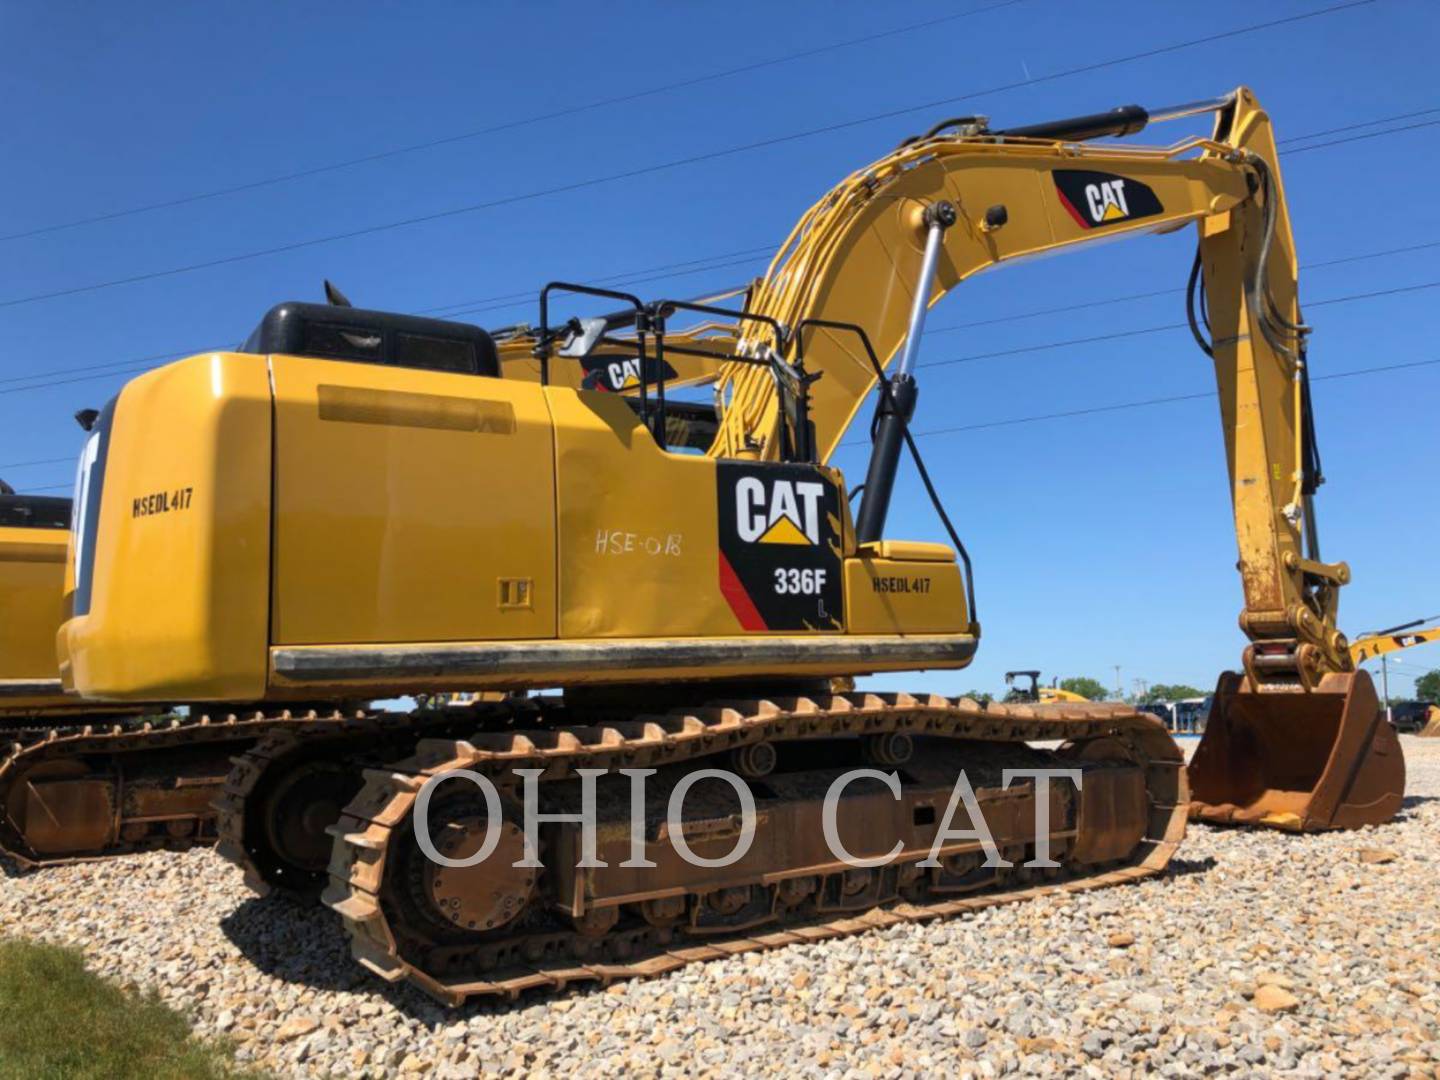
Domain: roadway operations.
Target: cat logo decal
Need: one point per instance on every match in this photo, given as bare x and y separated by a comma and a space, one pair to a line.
1096, 199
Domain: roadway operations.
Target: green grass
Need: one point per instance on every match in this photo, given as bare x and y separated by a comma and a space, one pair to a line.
58, 1020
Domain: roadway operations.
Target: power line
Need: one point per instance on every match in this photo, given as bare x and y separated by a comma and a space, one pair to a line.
508, 125
1142, 404
749, 255
495, 303
694, 159
140, 363
1417, 675
750, 261
133, 366
42, 461
128, 363
1129, 297
1142, 331
1358, 138
1070, 413
514, 299
143, 363
1357, 126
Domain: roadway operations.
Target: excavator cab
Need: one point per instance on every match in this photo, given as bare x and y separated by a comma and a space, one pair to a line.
1022, 693
1298, 760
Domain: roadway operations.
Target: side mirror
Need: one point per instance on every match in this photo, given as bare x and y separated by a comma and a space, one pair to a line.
581, 339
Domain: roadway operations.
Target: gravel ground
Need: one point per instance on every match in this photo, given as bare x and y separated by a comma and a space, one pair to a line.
1256, 954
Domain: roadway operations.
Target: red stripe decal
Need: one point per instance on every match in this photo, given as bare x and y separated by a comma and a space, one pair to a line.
1073, 212
738, 599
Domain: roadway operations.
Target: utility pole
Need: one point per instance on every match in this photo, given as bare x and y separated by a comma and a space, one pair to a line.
1119, 689
1385, 683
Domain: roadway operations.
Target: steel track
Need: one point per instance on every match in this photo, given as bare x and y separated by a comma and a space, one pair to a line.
97, 750
375, 820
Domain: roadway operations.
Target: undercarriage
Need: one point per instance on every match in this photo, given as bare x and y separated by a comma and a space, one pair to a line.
83, 788
319, 807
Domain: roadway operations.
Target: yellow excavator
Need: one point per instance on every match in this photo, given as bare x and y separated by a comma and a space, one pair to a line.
1381, 642
34, 532
77, 778
363, 504
1035, 691
1404, 636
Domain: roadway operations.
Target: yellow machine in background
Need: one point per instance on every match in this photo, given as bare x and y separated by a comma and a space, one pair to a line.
1405, 636
1382, 642
1035, 692
359, 503
79, 778
34, 533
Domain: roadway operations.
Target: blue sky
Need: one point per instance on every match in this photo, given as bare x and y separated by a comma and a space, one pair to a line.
1099, 540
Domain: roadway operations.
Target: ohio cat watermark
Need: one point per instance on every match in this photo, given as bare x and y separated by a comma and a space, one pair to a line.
948, 833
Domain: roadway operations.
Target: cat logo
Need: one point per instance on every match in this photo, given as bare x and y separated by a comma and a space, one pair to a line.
1095, 199
621, 373
1106, 201
779, 565
784, 512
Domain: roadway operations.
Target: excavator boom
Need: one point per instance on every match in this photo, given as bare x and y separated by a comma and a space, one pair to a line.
1387, 641
1295, 743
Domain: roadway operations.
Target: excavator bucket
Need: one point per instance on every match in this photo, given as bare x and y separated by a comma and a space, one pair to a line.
1298, 761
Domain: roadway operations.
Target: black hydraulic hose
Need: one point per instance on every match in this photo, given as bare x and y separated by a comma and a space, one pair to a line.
955, 122
1275, 326
944, 517
1284, 336
1312, 474
1190, 295
929, 486
1272, 216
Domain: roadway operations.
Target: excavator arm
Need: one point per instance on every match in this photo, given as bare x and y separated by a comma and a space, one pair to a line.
1369, 646
843, 290
1295, 741
985, 198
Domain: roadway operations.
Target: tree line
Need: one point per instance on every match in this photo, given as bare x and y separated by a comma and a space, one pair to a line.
1427, 689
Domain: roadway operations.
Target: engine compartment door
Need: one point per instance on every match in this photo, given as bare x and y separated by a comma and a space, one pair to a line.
410, 506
